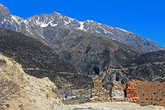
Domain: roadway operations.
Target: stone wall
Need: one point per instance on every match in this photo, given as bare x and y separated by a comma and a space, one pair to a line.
151, 93
131, 93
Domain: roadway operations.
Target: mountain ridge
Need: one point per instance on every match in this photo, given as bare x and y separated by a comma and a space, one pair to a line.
35, 25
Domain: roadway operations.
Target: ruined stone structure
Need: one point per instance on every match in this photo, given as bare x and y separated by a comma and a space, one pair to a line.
143, 93
117, 92
151, 93
131, 93
99, 94
115, 79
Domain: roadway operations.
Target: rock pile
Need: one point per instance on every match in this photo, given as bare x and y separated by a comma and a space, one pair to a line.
117, 92
99, 94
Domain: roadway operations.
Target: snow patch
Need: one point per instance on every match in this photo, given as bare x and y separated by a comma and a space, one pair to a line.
45, 24
66, 22
53, 25
81, 26
16, 19
90, 21
1, 5
105, 31
26, 22
122, 29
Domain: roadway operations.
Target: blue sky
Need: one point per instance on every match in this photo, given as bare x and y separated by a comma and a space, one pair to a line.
144, 17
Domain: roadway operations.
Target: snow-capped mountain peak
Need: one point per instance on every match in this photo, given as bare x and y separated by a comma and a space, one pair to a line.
17, 19
35, 26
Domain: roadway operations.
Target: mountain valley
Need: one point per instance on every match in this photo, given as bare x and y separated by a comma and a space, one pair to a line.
54, 62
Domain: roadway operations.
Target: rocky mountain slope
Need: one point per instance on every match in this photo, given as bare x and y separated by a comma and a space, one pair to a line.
82, 55
39, 60
146, 67
149, 66
34, 56
87, 52
93, 54
20, 91
35, 26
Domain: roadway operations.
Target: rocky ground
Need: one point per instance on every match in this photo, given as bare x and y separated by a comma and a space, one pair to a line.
109, 106
20, 91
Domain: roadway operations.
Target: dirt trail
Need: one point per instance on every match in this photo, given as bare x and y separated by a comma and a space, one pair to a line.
109, 106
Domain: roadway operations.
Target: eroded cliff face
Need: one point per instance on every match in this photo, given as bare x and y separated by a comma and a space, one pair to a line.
20, 91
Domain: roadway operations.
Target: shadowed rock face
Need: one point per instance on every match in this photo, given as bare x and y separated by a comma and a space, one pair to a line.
36, 58
149, 66
150, 57
145, 67
88, 53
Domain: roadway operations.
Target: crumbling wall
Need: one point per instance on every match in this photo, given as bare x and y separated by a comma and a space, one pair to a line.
131, 93
151, 93
99, 94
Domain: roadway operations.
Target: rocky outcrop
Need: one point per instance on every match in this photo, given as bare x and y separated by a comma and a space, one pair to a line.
20, 91
36, 58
